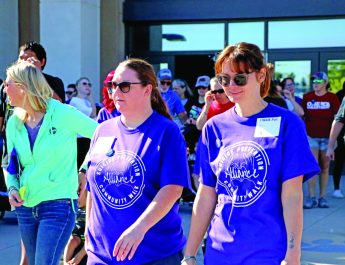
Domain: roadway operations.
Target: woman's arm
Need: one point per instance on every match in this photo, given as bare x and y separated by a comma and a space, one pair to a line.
336, 128
292, 200
130, 239
87, 217
203, 209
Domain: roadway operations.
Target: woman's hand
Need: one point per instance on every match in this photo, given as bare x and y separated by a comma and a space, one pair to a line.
189, 262
128, 243
14, 198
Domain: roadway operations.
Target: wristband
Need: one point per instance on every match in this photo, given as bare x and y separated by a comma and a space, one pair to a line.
10, 189
185, 258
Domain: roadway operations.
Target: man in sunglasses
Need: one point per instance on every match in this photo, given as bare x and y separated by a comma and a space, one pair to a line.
170, 97
71, 92
216, 102
35, 53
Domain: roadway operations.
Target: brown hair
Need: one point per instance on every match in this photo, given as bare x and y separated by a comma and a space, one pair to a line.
249, 57
147, 75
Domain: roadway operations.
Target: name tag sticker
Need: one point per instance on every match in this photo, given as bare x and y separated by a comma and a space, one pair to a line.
102, 145
267, 127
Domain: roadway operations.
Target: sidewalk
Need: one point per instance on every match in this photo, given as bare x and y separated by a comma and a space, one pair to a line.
323, 240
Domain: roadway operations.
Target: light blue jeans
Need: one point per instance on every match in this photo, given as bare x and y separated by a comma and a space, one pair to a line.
45, 229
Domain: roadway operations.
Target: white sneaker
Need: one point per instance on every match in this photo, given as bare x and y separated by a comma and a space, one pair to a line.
338, 194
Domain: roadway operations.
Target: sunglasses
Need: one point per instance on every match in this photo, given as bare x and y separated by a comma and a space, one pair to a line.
69, 92
86, 83
219, 91
318, 81
201, 87
165, 83
123, 86
238, 79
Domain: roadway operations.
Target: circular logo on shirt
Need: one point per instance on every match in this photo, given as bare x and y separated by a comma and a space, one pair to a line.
242, 172
120, 179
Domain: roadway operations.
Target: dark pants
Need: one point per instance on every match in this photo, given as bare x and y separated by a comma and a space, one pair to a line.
83, 145
339, 160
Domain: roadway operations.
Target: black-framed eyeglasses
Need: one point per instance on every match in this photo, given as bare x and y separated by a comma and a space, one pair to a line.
219, 91
238, 79
168, 83
86, 83
123, 86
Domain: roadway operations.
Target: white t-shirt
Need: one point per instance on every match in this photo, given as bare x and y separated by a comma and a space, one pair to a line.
82, 104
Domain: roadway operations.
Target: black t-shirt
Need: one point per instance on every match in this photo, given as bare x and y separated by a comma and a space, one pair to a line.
57, 85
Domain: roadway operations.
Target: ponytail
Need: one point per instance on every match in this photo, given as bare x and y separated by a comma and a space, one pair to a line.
158, 104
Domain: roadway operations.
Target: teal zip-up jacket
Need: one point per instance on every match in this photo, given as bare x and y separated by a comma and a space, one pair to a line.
50, 169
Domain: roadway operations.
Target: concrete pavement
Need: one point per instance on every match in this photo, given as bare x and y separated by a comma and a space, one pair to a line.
323, 240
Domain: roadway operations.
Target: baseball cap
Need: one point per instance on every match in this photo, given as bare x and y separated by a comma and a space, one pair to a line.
320, 75
164, 74
203, 81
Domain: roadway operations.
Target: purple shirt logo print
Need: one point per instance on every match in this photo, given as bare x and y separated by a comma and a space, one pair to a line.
120, 179
242, 172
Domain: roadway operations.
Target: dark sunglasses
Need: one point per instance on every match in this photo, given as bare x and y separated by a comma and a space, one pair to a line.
69, 92
219, 91
201, 87
86, 83
165, 83
239, 79
123, 86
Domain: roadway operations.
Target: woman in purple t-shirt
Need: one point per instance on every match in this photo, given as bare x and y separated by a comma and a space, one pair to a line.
137, 170
253, 158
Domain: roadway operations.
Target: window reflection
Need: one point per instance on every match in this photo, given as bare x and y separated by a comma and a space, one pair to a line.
306, 33
198, 37
252, 32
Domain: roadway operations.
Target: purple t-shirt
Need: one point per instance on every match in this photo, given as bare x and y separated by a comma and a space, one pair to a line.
104, 115
146, 159
248, 159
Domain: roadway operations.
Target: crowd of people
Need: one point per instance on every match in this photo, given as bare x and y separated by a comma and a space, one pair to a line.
102, 185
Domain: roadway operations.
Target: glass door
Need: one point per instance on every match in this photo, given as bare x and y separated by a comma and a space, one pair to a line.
298, 65
334, 64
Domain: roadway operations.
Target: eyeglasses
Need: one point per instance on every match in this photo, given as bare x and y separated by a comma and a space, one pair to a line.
69, 92
289, 85
123, 86
318, 81
239, 79
168, 83
86, 83
219, 91
201, 87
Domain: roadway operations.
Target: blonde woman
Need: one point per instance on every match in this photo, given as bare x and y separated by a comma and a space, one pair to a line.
41, 136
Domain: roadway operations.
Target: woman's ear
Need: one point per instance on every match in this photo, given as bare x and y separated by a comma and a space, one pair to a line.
148, 90
261, 75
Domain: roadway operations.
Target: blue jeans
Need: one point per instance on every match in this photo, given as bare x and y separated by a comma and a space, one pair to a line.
45, 229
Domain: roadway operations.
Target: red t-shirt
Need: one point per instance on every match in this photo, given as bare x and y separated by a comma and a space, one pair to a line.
319, 113
217, 108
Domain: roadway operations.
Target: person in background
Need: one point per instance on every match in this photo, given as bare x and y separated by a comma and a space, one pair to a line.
109, 110
84, 103
293, 102
42, 181
252, 171
182, 89
337, 135
71, 92
75, 253
172, 100
194, 108
35, 53
216, 102
138, 168
274, 95
319, 106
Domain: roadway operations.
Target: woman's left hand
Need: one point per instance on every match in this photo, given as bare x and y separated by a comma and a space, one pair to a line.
128, 243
